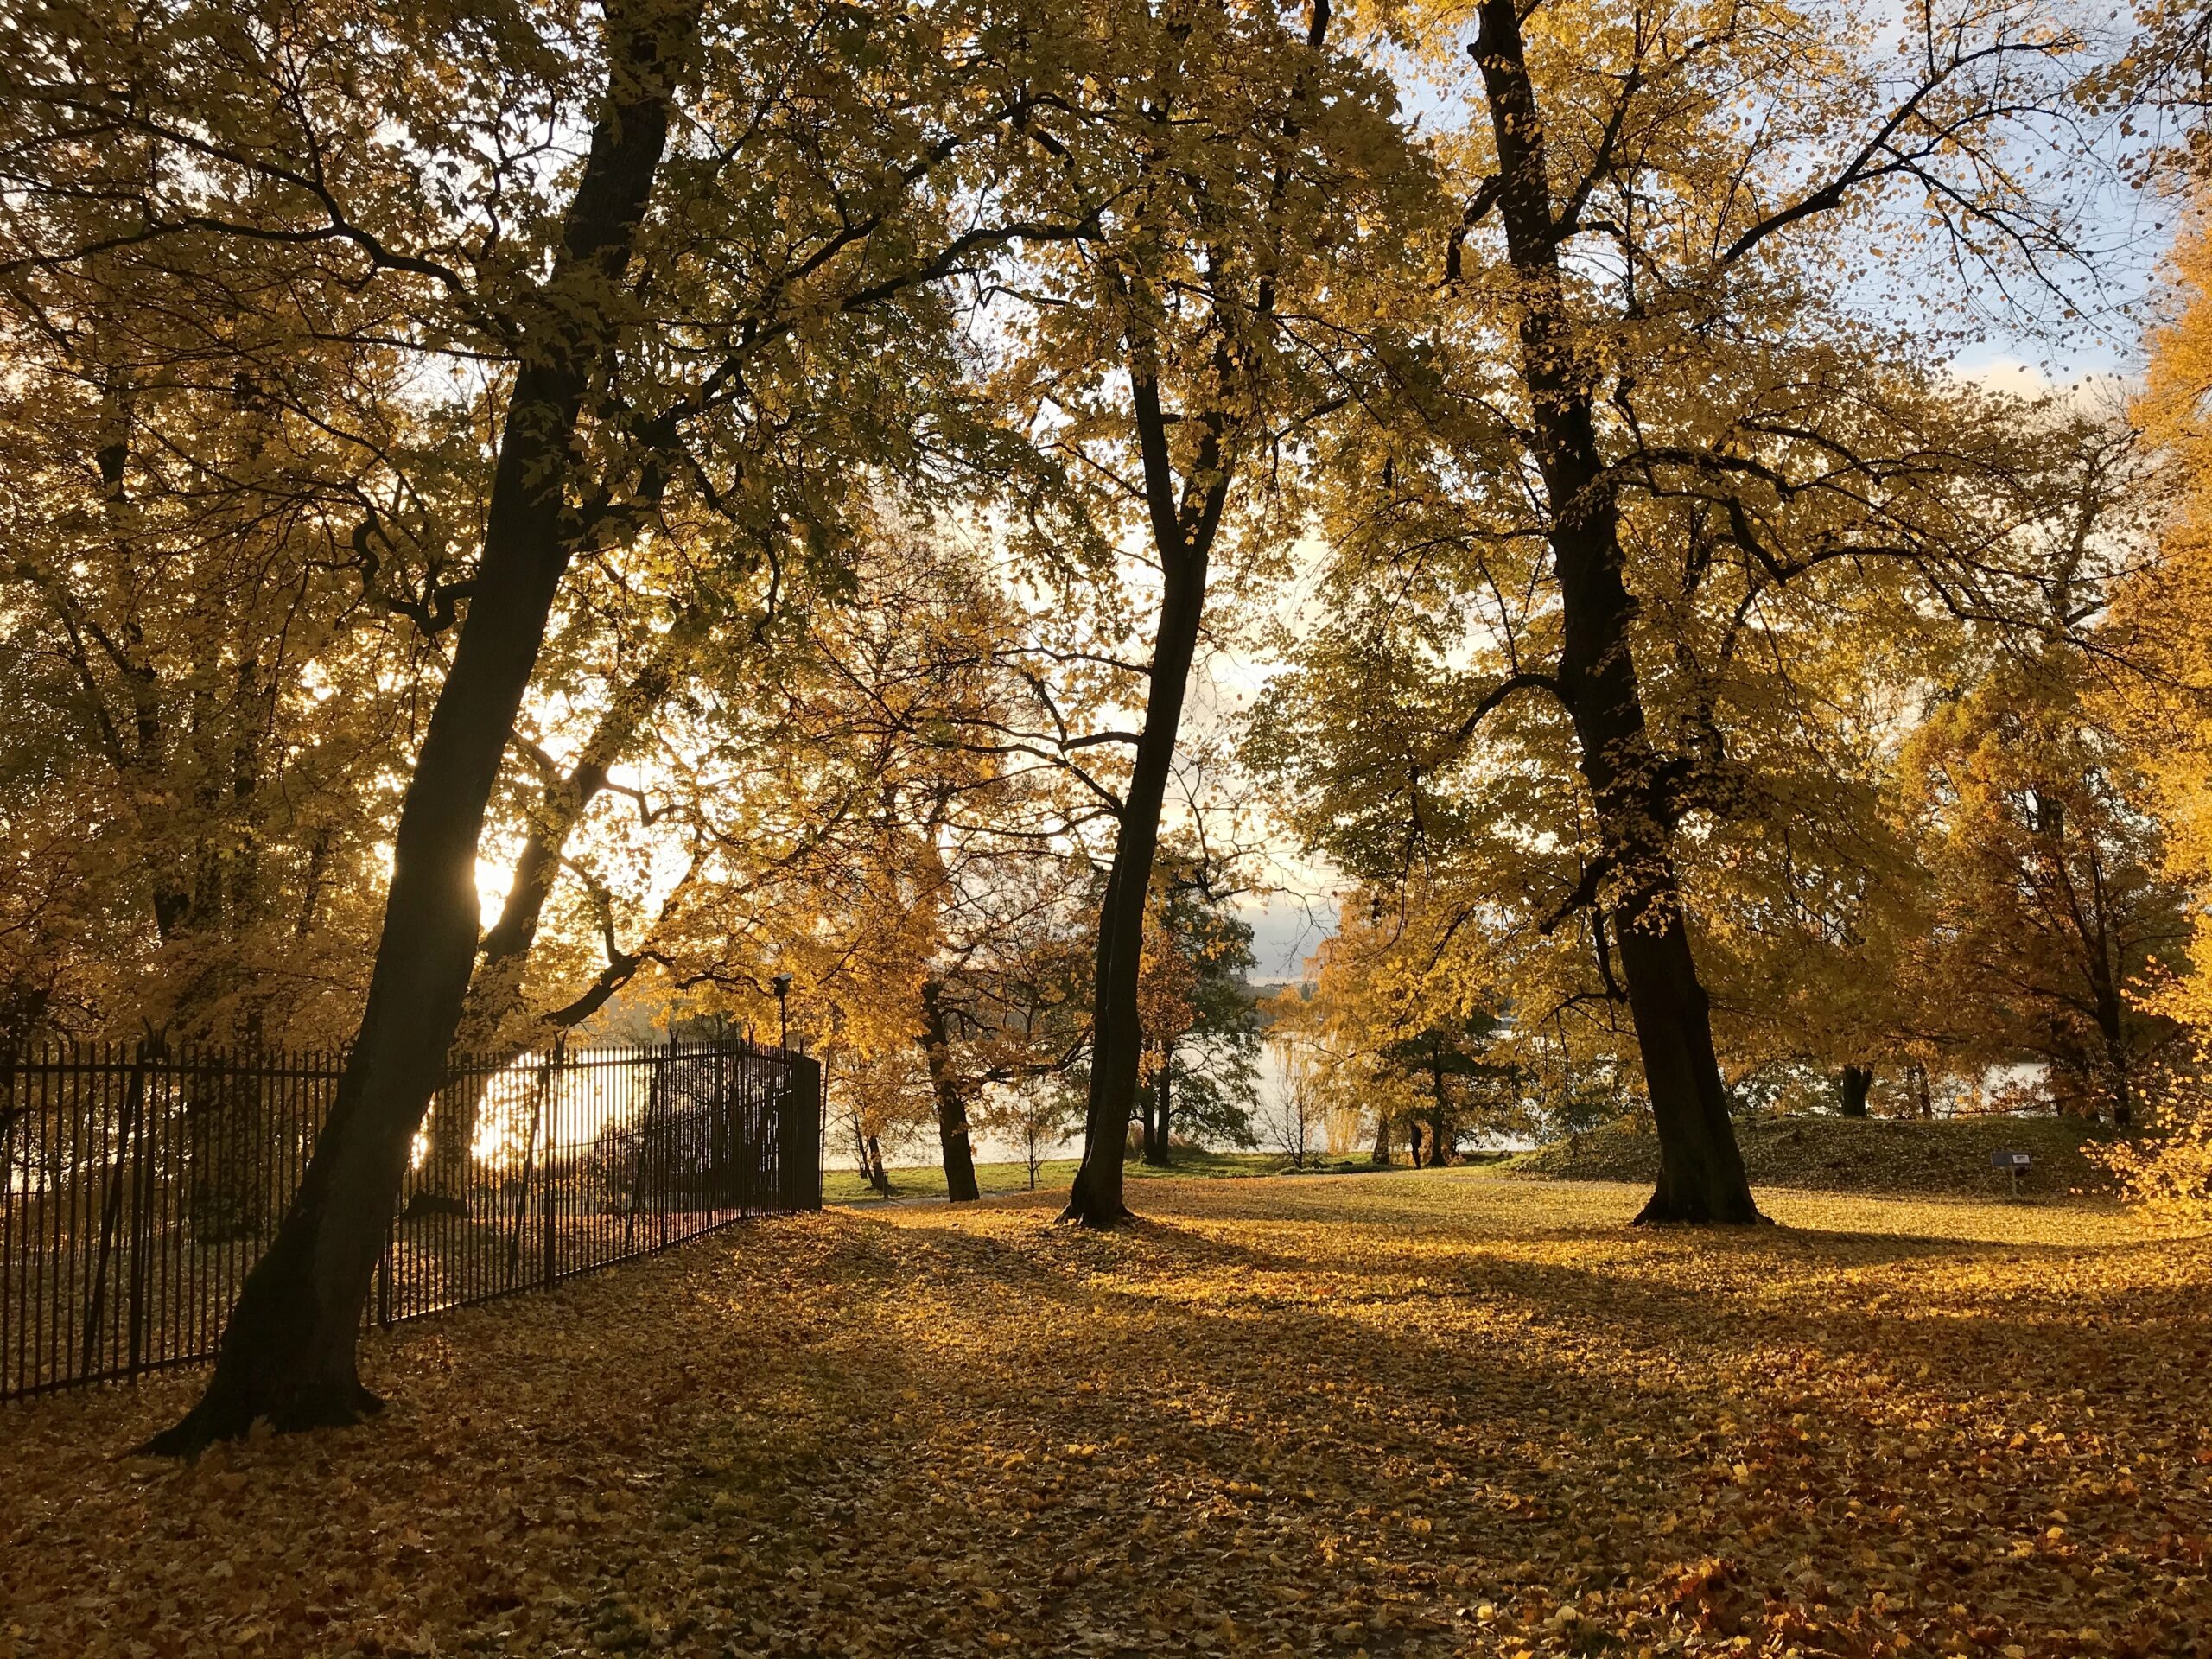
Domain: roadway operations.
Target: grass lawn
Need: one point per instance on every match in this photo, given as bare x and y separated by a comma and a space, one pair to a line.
1412, 1413
844, 1185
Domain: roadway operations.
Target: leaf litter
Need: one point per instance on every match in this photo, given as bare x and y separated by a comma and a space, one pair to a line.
1401, 1414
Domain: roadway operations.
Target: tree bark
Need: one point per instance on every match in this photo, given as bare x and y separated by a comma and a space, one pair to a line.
289, 1353
1700, 1167
1380, 1155
1850, 1093
1163, 1110
952, 1137
1183, 537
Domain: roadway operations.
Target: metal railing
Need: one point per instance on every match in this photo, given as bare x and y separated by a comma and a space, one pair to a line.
138, 1186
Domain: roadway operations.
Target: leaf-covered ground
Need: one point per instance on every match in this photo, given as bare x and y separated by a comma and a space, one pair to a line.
1409, 1414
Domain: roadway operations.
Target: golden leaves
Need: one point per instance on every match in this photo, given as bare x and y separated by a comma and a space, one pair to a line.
1408, 1414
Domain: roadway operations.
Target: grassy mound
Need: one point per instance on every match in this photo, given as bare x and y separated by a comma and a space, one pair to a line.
1842, 1154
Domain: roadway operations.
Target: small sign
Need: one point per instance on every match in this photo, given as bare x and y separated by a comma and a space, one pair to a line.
2009, 1160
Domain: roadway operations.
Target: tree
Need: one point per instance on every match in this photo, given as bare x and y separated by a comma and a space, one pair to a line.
2052, 918
1251, 166
1201, 1030
1399, 1030
2163, 613
808, 203
1598, 573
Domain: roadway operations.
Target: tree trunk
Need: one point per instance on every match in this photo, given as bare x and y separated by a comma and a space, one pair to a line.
1380, 1155
951, 1109
1851, 1094
1163, 1110
1439, 1143
1700, 1168
1182, 535
289, 1353
878, 1177
2111, 1029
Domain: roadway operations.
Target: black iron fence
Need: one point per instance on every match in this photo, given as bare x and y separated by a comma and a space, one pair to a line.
137, 1186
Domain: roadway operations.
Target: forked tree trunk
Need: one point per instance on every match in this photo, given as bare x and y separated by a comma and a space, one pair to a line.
1857, 1083
1183, 538
1700, 1168
1183, 518
288, 1354
952, 1138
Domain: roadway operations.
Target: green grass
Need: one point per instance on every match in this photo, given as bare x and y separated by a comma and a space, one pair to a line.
844, 1184
1897, 1156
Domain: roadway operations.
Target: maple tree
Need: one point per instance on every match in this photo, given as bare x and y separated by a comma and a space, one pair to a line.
2164, 612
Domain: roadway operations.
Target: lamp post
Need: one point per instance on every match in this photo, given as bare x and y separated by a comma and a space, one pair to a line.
782, 984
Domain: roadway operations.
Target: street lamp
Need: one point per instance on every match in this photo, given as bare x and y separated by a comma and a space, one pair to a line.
782, 984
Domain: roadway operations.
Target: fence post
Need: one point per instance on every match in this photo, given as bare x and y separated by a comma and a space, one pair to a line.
384, 1277
665, 1162
799, 1152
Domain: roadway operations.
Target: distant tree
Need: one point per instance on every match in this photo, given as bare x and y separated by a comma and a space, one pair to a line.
1201, 1029
2053, 917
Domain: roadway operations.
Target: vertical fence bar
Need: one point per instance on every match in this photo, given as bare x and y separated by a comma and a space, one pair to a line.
142, 1216
548, 1208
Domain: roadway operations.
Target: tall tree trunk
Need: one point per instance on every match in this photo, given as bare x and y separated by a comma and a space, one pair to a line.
1850, 1093
1700, 1168
2112, 1031
288, 1354
1183, 539
1439, 1139
1380, 1155
1184, 517
951, 1108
